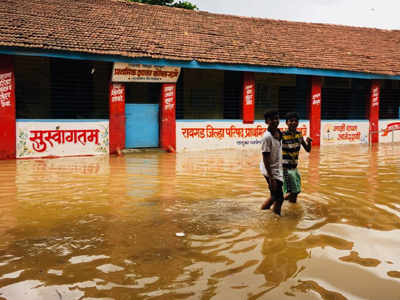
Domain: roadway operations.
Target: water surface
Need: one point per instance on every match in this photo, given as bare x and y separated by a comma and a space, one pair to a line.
188, 226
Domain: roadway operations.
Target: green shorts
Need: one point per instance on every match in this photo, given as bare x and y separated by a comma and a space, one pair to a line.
292, 181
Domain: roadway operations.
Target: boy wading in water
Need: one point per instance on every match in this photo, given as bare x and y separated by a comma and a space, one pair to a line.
292, 140
271, 163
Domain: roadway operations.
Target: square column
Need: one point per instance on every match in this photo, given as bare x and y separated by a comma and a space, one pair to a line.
168, 117
7, 108
117, 117
248, 104
315, 110
374, 113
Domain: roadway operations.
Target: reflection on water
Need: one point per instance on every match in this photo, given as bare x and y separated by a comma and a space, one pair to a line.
105, 227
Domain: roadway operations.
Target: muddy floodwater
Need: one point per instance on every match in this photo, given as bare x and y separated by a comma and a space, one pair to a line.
153, 225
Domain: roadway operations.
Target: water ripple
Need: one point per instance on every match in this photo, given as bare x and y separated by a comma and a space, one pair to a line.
106, 227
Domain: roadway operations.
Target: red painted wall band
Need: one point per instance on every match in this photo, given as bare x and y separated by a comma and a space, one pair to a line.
315, 110
374, 112
117, 117
168, 117
7, 108
249, 89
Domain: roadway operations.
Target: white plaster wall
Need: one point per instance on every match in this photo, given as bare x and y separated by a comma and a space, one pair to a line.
61, 138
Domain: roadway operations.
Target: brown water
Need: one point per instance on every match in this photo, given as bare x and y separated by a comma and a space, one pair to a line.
106, 227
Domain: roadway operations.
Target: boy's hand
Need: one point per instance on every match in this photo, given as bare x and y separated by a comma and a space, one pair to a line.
274, 185
309, 140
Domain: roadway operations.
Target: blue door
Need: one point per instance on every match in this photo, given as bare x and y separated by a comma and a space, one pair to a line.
142, 128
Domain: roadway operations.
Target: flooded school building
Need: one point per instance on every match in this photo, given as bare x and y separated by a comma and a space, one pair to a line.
90, 77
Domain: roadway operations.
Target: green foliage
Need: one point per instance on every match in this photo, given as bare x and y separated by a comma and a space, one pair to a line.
171, 3
185, 4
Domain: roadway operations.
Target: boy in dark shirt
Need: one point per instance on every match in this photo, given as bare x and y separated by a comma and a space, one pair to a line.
292, 140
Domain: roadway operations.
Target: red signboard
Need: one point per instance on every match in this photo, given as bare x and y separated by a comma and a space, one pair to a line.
249, 88
374, 113
7, 108
117, 117
168, 119
315, 111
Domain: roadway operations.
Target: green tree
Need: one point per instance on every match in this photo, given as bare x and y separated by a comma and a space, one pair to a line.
171, 3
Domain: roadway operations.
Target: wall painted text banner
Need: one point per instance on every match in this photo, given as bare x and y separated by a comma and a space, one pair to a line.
124, 72
42, 139
347, 132
209, 135
5, 89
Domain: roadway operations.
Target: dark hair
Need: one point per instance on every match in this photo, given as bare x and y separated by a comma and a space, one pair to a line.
292, 115
270, 113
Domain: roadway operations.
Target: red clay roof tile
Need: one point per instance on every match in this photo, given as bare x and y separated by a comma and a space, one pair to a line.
137, 30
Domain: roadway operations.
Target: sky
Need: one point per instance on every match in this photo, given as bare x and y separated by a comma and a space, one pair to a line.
384, 14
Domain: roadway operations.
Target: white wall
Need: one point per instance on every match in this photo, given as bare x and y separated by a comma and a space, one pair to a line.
208, 135
389, 131
61, 138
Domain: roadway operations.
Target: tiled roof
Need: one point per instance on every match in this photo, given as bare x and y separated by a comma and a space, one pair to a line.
136, 30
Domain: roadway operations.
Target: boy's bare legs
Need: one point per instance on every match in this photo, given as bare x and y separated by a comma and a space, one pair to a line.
267, 204
291, 197
277, 207
278, 195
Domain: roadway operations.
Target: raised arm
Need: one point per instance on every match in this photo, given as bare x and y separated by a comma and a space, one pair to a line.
306, 145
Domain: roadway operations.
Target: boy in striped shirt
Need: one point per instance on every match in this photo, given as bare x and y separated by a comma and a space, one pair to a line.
292, 140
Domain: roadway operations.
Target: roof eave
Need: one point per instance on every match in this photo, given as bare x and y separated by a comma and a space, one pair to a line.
191, 64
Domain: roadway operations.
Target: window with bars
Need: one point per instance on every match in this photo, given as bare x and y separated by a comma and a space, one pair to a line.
345, 99
50, 88
209, 94
282, 92
389, 107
